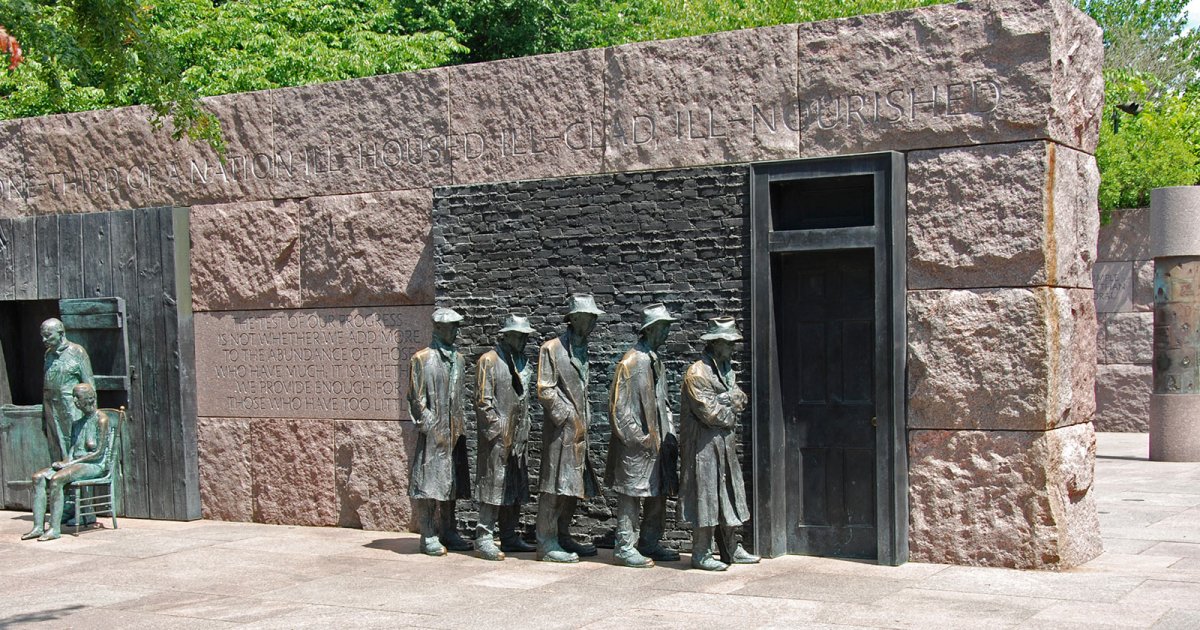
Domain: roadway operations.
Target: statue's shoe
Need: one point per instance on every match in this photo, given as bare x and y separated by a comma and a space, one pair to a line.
31, 534
488, 550
708, 563
583, 550
516, 545
454, 542
558, 555
431, 546
631, 558
658, 553
50, 535
741, 556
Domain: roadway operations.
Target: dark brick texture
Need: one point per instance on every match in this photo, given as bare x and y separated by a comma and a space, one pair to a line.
680, 237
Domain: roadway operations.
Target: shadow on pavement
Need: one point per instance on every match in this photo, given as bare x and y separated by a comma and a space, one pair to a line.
40, 616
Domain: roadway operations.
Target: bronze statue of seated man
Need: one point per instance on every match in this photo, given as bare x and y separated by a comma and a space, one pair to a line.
89, 458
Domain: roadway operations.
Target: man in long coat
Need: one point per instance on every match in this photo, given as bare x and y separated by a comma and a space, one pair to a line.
67, 365
642, 450
503, 377
712, 493
439, 468
567, 474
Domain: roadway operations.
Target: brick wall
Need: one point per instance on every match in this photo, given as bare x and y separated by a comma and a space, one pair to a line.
680, 237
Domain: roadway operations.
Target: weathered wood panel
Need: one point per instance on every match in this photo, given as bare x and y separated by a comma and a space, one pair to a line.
70, 256
25, 259
46, 232
7, 288
133, 443
155, 356
97, 255
181, 377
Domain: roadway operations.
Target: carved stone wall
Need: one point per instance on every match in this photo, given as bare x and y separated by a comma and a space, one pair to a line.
1125, 307
323, 205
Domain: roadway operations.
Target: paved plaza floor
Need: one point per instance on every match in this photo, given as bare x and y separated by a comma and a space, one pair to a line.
209, 574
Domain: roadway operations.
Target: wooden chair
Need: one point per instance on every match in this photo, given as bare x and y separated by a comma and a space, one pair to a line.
104, 497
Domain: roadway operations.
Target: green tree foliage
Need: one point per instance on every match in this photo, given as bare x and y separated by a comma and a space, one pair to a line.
89, 54
95, 54
1150, 137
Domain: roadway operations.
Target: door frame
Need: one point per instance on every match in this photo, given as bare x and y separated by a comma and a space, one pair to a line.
887, 237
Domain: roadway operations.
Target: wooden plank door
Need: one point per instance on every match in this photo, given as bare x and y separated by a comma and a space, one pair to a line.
825, 334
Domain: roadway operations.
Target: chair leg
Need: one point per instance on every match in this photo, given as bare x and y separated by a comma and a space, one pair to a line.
75, 495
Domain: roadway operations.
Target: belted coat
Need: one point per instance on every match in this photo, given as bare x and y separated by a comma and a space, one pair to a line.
711, 490
562, 388
435, 399
502, 420
642, 451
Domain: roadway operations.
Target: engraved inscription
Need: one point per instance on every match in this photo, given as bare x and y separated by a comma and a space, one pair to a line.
903, 106
1177, 325
323, 363
1114, 287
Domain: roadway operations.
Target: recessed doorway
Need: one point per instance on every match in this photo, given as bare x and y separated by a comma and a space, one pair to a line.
830, 466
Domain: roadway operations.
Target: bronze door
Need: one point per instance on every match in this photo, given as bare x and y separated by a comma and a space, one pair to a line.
825, 335
827, 318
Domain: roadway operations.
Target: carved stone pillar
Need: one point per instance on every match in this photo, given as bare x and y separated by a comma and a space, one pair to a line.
1175, 246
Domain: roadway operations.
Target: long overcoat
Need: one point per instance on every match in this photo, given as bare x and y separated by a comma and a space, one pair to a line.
64, 368
435, 399
502, 419
711, 488
642, 453
562, 390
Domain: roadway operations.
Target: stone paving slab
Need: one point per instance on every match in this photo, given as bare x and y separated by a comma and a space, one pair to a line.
210, 574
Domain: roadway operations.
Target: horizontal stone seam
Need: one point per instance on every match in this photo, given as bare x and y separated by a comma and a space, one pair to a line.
1003, 287
310, 308
975, 430
301, 418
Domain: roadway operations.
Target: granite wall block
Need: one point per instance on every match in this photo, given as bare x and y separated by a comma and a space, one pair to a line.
245, 255
1123, 397
372, 460
226, 469
13, 178
1005, 215
528, 118
1126, 338
294, 477
114, 159
713, 99
388, 132
950, 75
366, 250
1019, 499
1015, 359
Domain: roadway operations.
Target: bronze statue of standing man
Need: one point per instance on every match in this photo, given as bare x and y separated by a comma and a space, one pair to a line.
642, 453
439, 468
503, 378
67, 365
567, 474
712, 494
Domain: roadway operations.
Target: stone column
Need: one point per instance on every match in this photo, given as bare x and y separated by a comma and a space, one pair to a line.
1175, 246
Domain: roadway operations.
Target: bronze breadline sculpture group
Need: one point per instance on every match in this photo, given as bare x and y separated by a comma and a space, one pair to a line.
648, 459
